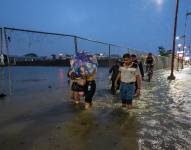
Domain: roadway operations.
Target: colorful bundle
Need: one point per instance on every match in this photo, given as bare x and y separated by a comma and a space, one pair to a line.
83, 63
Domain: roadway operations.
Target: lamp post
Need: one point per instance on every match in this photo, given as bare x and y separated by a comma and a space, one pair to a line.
185, 26
178, 54
172, 77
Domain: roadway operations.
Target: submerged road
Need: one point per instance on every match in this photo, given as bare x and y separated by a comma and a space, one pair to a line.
47, 120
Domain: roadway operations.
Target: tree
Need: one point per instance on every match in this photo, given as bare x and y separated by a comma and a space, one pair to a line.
162, 51
31, 55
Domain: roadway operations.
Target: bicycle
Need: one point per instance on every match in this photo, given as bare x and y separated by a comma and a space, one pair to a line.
150, 72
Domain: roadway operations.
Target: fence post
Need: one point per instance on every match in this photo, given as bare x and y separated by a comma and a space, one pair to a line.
75, 44
1, 63
109, 54
6, 38
6, 47
1, 42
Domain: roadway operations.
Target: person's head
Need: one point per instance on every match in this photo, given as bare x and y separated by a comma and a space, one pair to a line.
150, 54
133, 57
117, 62
127, 58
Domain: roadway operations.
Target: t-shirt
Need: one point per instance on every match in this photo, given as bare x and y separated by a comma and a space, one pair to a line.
92, 76
129, 74
149, 60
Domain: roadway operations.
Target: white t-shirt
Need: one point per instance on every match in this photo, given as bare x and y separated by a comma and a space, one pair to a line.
129, 74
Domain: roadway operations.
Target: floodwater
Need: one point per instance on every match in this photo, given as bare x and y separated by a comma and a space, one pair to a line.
40, 116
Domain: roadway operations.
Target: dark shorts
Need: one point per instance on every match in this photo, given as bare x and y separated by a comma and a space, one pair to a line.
76, 87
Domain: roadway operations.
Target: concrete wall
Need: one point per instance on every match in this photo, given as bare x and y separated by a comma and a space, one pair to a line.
161, 62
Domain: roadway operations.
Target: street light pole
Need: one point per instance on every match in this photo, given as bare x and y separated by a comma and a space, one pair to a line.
185, 26
178, 56
172, 77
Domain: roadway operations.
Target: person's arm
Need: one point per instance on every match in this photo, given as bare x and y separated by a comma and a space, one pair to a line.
141, 68
111, 70
117, 78
70, 71
94, 73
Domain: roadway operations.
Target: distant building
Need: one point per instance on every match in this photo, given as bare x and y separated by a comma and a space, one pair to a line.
53, 56
100, 56
68, 56
61, 56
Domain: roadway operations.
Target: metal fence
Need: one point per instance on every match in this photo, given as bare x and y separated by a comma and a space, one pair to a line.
46, 45
36, 48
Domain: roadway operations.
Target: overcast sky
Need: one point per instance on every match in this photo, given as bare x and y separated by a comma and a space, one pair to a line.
139, 24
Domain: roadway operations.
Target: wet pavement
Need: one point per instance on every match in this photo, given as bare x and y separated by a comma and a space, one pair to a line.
48, 120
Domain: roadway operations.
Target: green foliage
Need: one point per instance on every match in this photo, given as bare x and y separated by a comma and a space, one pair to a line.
31, 55
162, 51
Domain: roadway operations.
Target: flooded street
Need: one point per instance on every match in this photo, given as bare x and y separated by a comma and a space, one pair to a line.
40, 116
166, 117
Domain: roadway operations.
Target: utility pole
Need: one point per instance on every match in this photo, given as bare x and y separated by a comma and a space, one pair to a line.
184, 43
172, 77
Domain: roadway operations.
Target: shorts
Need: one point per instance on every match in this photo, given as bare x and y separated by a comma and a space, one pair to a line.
127, 91
76, 87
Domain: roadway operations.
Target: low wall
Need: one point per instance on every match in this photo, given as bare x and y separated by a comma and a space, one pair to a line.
161, 62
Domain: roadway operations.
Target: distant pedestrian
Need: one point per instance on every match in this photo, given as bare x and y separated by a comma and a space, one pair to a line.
114, 70
139, 65
149, 62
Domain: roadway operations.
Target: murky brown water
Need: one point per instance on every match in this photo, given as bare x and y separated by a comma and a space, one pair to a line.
45, 119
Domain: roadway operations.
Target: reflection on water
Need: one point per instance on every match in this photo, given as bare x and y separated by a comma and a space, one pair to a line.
40, 118
61, 76
26, 80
